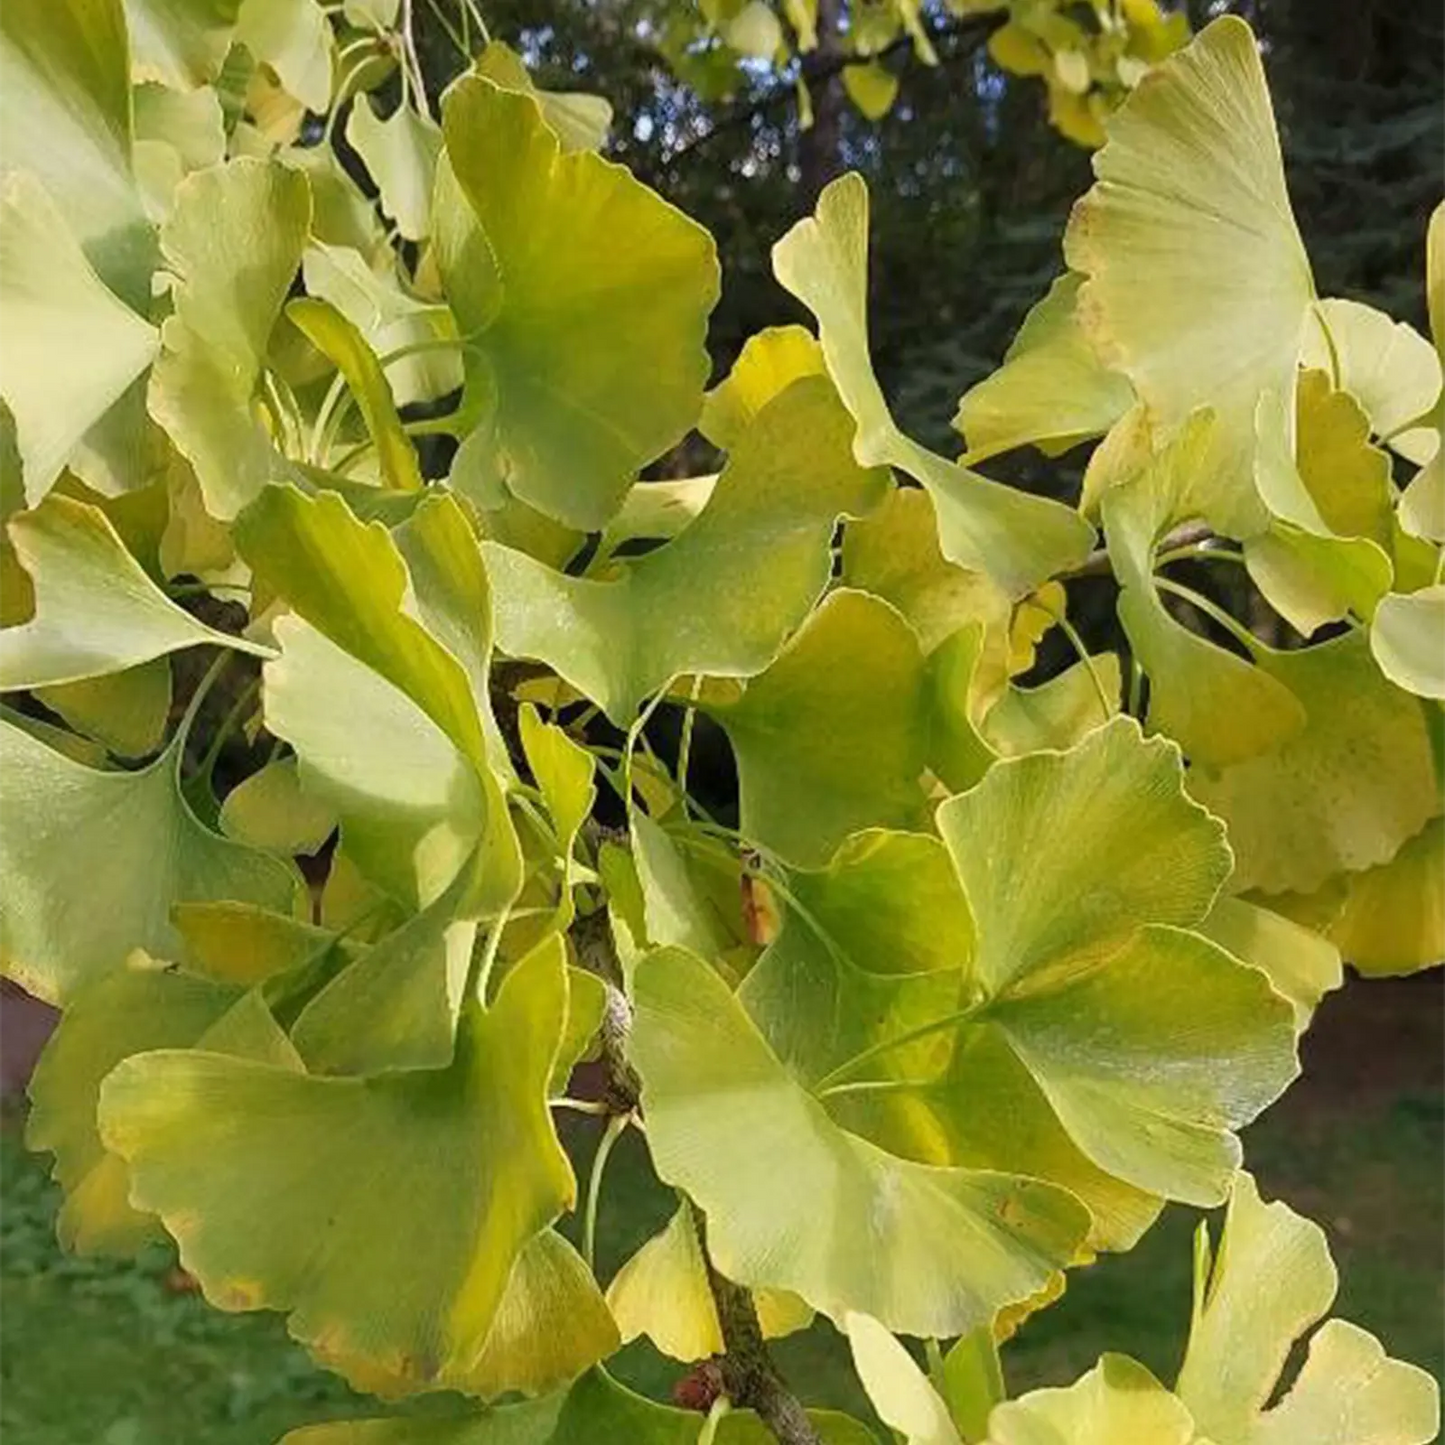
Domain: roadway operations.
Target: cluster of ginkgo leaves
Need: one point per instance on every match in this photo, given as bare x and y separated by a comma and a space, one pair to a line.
1089, 54
986, 971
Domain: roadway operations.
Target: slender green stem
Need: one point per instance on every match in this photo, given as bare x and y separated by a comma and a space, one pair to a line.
193, 707
334, 393
480, 19
872, 1086
431, 426
229, 723
610, 1135
579, 1106
828, 1084
1236, 629
413, 59
1077, 643
348, 79
489, 955
1205, 551
450, 29
684, 746
633, 734
720, 1407
430, 343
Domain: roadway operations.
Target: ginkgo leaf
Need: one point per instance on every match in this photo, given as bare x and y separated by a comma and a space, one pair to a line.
144, 1005
833, 736
1068, 938
898, 1389
125, 711
390, 319
176, 132
1307, 570
1017, 539
405, 761
65, 116
594, 1410
274, 1182
72, 347
1117, 1400
1217, 706
334, 335
293, 37
1407, 639
766, 366
871, 87
539, 252
1389, 368
245, 944
1345, 792
270, 810
723, 595
1191, 181
894, 554
128, 844
663, 1292
564, 772
1393, 919
96, 611
793, 1202
1301, 964
1272, 1280
674, 909
232, 243
397, 1005
400, 153
551, 1325
654, 511
580, 120
180, 43
1051, 391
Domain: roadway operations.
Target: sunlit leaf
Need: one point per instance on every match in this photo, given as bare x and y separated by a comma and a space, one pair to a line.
404, 761
1117, 1400
766, 366
541, 251
580, 120
1407, 638
334, 335
274, 1182
1017, 539
72, 348
898, 1389
663, 1292
293, 37
1272, 1280
1389, 368
233, 244
1217, 706
96, 611
844, 1224
180, 43
1301, 964
1190, 182
128, 844
1051, 390
1345, 792
724, 594
832, 737
1393, 919
400, 153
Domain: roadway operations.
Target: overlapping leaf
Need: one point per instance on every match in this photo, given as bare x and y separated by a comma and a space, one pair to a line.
845, 1225
127, 843
1272, 1280
275, 1183
720, 598
1017, 539
585, 299
1189, 185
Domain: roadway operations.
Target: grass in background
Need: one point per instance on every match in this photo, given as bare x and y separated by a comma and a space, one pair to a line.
112, 1353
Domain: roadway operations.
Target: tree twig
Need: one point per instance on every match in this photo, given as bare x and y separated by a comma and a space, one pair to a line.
750, 1378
